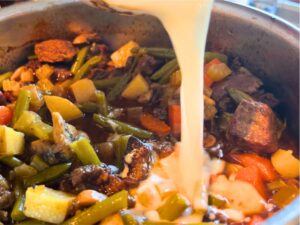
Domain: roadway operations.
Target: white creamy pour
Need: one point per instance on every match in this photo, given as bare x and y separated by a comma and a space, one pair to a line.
187, 22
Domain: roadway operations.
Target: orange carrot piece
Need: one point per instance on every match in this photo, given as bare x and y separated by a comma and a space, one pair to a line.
207, 81
89, 197
154, 124
252, 175
6, 115
175, 119
264, 165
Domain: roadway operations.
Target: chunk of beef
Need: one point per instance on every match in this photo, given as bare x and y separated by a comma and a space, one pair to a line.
3, 100
242, 80
86, 38
6, 196
267, 98
147, 65
55, 50
33, 64
93, 177
162, 148
253, 127
61, 74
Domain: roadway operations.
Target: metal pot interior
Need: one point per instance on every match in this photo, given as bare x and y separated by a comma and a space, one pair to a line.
267, 46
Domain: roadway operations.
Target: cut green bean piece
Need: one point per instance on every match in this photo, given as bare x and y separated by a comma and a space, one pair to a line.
215, 55
33, 222
120, 149
89, 107
48, 174
165, 69
102, 103
38, 163
166, 77
156, 52
5, 76
84, 69
22, 104
120, 127
173, 223
106, 83
173, 207
100, 210
17, 213
238, 95
85, 152
81, 55
128, 219
11, 161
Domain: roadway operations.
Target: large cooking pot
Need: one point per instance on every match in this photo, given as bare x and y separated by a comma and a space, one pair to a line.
268, 46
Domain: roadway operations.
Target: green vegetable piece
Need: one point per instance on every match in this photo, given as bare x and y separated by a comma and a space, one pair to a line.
81, 55
166, 77
156, 52
22, 104
120, 127
18, 208
5, 76
38, 163
173, 207
120, 149
100, 210
33, 222
48, 174
106, 83
165, 70
84, 69
102, 103
89, 107
213, 55
11, 161
238, 95
85, 152
128, 219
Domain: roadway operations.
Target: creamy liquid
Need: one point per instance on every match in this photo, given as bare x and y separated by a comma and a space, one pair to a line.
187, 22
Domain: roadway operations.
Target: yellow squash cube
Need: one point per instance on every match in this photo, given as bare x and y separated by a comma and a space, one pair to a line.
46, 204
11, 141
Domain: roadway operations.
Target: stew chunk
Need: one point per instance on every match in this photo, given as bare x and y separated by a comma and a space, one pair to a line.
55, 50
253, 127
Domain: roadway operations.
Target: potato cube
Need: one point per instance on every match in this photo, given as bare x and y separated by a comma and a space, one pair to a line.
84, 90
11, 141
119, 57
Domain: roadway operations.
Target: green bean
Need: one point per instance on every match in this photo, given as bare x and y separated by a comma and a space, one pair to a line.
238, 95
86, 67
128, 219
100, 210
213, 55
106, 151
85, 152
173, 207
11, 161
164, 70
102, 103
120, 127
173, 223
33, 222
89, 107
5, 76
38, 163
48, 174
81, 55
17, 213
22, 104
156, 52
120, 149
122, 83
166, 77
106, 83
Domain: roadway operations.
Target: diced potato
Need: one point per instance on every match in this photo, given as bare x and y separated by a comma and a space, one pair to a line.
241, 196
285, 163
11, 141
27, 75
63, 106
120, 56
217, 72
46, 204
137, 87
149, 196
44, 72
45, 85
84, 91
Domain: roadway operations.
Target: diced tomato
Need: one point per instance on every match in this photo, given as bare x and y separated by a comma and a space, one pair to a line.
6, 115
175, 119
256, 220
264, 165
252, 175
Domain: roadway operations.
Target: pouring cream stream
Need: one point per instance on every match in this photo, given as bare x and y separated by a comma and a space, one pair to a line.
187, 22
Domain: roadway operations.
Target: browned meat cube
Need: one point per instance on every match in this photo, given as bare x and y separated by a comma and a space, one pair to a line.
55, 50
254, 127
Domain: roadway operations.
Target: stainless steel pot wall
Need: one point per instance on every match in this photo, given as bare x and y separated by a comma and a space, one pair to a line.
267, 45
